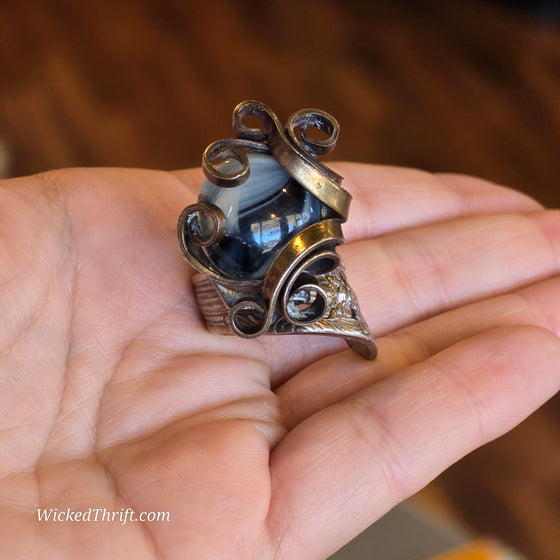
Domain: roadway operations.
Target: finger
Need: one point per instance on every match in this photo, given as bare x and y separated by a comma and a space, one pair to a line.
387, 199
408, 276
344, 467
338, 377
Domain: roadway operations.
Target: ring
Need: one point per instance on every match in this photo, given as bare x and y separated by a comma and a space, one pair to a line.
264, 231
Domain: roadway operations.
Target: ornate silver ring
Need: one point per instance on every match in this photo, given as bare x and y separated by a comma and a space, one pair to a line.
264, 232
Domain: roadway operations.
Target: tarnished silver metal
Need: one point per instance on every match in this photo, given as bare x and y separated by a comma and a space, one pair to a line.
301, 288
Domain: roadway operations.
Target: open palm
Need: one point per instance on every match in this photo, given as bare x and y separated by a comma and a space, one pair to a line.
114, 395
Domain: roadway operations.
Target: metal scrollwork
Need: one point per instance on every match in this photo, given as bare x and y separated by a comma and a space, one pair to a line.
300, 287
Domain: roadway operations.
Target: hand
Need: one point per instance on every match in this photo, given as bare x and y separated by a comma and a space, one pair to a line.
114, 395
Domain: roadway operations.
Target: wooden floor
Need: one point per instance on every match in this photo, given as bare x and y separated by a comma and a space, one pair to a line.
444, 85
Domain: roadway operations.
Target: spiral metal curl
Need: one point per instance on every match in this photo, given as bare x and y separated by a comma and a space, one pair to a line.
290, 264
293, 148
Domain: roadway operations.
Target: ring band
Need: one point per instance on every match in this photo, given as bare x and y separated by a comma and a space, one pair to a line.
264, 231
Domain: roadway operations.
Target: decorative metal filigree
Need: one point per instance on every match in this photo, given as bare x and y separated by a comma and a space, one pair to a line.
299, 286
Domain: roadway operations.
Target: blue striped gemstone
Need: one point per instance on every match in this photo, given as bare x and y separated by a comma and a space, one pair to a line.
262, 214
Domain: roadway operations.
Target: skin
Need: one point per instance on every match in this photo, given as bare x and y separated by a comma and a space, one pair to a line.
114, 395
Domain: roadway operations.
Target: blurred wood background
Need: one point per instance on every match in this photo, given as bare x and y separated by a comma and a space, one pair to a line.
471, 87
